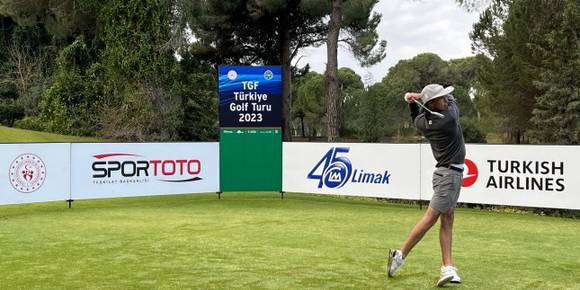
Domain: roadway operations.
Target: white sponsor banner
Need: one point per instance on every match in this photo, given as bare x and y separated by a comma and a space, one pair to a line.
108, 170
518, 175
34, 173
374, 170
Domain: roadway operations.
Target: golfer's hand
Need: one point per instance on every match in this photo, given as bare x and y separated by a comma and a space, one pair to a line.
411, 97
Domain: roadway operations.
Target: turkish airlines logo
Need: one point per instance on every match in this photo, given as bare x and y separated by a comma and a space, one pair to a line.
472, 172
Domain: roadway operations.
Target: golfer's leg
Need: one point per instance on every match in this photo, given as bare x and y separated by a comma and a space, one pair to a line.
446, 237
427, 221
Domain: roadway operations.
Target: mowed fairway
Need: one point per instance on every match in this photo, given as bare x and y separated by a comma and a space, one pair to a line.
257, 240
14, 135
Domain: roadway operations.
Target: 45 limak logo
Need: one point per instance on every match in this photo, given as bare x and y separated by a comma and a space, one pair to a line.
334, 170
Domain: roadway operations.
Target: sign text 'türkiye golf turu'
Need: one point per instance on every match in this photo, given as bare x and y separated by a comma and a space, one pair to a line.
250, 96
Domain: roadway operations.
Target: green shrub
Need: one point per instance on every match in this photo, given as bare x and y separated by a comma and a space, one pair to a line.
71, 104
30, 123
8, 89
472, 132
10, 112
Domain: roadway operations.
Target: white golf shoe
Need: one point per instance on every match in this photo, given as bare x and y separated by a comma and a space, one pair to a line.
448, 274
456, 279
395, 262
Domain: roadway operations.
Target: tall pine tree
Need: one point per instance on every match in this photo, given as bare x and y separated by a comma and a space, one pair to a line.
556, 118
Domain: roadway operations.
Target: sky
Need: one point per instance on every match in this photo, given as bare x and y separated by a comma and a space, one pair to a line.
410, 27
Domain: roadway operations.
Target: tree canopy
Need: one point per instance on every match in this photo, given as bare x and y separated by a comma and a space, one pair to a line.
145, 70
527, 82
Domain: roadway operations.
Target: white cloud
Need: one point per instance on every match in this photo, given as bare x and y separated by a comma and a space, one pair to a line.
410, 27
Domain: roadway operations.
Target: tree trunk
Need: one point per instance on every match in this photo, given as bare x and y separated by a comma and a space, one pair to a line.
330, 79
285, 60
302, 125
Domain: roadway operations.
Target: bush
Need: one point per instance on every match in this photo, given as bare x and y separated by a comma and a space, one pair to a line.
472, 132
30, 123
10, 112
71, 105
145, 112
8, 89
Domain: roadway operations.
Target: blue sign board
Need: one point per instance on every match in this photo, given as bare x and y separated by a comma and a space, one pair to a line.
250, 96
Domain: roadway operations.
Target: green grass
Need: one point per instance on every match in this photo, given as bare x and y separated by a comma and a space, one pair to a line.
14, 135
257, 240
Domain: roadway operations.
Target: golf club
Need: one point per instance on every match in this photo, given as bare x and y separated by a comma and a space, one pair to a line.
438, 115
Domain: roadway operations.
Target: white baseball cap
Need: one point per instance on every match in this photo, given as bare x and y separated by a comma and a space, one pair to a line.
434, 91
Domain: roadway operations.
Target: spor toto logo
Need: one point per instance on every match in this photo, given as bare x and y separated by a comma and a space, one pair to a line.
472, 172
27, 173
129, 165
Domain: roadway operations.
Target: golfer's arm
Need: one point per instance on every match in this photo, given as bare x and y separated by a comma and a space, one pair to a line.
417, 118
453, 108
414, 108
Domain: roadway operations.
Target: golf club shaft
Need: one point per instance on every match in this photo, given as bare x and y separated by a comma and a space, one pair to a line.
434, 113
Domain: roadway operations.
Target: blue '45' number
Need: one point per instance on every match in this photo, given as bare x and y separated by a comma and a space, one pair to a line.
332, 171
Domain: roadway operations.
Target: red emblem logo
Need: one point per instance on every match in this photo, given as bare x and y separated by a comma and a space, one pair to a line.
27, 173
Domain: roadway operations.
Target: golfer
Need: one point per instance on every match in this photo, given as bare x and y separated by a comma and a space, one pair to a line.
440, 125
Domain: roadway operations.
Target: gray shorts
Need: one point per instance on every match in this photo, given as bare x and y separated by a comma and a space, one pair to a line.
446, 187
